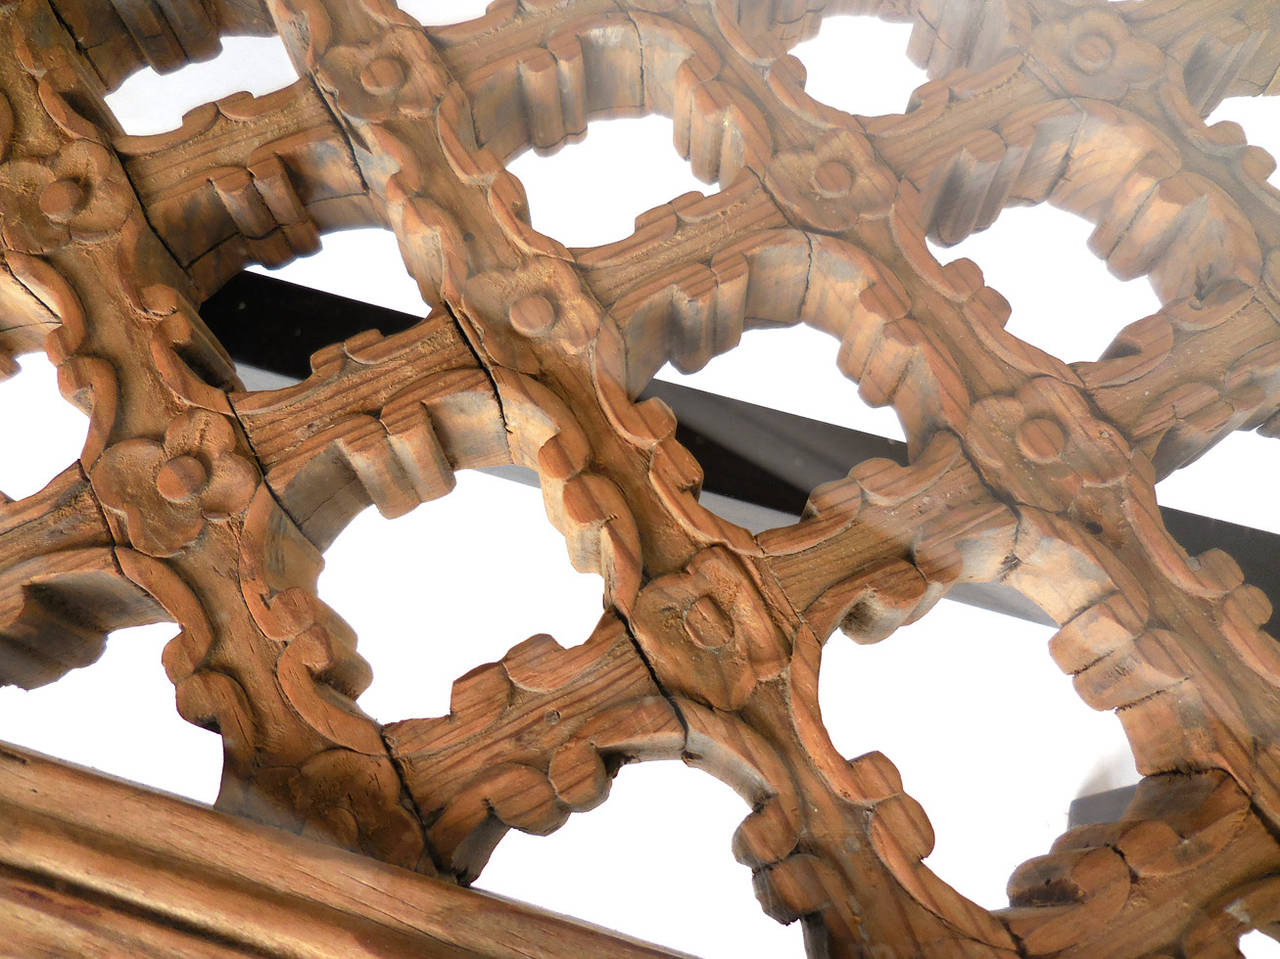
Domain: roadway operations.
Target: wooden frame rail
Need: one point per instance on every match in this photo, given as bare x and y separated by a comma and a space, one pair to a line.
92, 866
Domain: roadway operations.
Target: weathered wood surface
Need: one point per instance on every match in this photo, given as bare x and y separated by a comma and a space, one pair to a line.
197, 501
91, 866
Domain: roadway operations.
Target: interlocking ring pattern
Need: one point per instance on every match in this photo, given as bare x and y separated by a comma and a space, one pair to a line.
202, 503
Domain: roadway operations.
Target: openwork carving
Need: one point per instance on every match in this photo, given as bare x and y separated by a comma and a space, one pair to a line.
200, 502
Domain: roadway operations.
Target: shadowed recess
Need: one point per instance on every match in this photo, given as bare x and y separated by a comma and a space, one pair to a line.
274, 320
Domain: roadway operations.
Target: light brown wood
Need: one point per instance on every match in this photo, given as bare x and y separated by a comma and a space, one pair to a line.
210, 505
94, 866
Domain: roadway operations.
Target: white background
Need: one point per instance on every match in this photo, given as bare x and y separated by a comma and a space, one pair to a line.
989, 736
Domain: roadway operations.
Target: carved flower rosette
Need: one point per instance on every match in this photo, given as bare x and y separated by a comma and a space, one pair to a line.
1047, 428
167, 492
1102, 58
831, 186
373, 82
77, 194
708, 634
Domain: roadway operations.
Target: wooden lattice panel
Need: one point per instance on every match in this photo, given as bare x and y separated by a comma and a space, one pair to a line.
202, 503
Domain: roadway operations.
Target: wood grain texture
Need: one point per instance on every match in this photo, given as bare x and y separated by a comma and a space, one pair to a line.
93, 866
210, 505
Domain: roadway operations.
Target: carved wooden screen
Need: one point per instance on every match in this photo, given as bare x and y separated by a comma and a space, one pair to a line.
202, 503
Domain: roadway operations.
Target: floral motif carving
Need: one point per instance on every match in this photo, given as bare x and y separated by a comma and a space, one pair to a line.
76, 194
167, 492
373, 80
831, 186
200, 502
1095, 54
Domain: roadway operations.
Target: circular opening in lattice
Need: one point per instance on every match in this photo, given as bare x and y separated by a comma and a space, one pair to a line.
1257, 118
118, 716
772, 419
988, 736
794, 369
638, 861
1225, 500
46, 432
617, 66
454, 584
360, 264
574, 196
1233, 482
272, 326
1062, 296
860, 65
149, 102
1153, 216
442, 13
779, 321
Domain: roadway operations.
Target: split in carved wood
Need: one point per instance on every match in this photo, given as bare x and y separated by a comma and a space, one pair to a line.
199, 502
